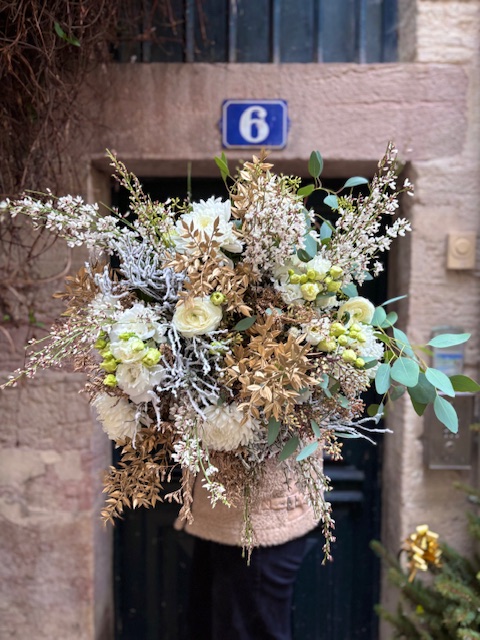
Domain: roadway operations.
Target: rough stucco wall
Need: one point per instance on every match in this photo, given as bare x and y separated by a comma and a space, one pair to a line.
51, 462
446, 200
349, 112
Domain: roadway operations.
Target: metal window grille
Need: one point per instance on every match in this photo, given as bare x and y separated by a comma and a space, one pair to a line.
266, 31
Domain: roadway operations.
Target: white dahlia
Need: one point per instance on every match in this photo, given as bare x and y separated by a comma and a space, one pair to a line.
117, 416
225, 428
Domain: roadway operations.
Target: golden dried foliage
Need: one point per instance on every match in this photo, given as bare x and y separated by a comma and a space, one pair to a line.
268, 374
80, 290
207, 271
137, 481
246, 187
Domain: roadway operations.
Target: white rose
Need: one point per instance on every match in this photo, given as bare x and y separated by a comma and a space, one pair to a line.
371, 348
127, 351
360, 310
325, 303
117, 416
225, 428
290, 293
136, 380
280, 271
139, 320
104, 304
197, 317
319, 264
314, 335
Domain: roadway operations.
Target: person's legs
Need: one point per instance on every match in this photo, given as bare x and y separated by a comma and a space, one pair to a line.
253, 602
200, 596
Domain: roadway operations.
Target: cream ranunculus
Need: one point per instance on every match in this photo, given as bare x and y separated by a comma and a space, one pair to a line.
136, 380
197, 317
360, 310
226, 428
117, 416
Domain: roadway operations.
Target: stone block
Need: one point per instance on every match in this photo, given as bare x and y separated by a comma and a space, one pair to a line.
447, 31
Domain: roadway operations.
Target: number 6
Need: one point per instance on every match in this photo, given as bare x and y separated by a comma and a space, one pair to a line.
253, 126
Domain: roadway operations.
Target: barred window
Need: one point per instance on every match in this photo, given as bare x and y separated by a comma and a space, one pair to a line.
266, 31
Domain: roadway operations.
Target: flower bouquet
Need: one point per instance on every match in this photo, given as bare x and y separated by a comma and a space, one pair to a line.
232, 333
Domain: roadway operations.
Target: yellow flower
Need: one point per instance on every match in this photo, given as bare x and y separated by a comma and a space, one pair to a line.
309, 291
152, 357
110, 380
349, 355
217, 298
327, 345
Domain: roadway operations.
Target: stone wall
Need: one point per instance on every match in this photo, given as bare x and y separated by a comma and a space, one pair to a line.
446, 200
55, 557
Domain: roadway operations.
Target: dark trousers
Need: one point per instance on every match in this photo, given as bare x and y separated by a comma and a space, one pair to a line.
233, 600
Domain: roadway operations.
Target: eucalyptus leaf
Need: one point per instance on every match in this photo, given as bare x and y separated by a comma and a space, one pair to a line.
335, 387
245, 323
372, 410
343, 401
315, 164
350, 290
382, 378
303, 255
390, 320
311, 246
446, 413
354, 182
403, 342
397, 392
326, 230
424, 391
289, 448
465, 384
384, 304
323, 381
405, 371
307, 451
440, 381
445, 340
305, 191
315, 428
273, 429
331, 201
379, 317
370, 363
418, 406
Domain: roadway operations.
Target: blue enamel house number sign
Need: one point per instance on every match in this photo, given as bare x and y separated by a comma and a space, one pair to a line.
254, 123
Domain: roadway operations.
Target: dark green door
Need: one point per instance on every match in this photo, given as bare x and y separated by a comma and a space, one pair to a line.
332, 601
